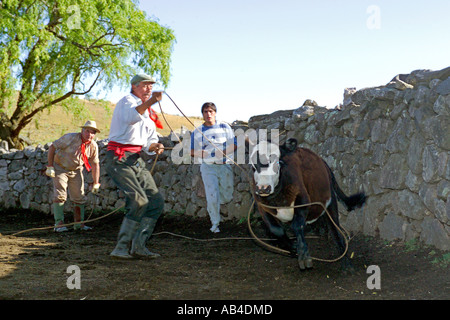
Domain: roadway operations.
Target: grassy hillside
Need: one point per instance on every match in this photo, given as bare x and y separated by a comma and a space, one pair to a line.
50, 125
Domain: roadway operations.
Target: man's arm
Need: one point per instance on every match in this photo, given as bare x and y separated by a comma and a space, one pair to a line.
199, 154
157, 147
231, 147
50, 158
96, 177
96, 173
156, 96
51, 155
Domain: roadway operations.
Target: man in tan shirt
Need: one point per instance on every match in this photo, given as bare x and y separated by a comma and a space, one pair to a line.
66, 158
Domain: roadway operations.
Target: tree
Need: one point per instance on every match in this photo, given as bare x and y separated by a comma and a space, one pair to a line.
54, 50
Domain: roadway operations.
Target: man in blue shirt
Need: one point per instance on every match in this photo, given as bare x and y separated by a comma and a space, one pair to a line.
212, 146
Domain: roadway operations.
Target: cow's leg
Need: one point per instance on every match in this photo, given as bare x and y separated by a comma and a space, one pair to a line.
298, 225
337, 236
275, 228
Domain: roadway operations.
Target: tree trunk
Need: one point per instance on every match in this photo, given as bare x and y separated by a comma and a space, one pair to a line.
8, 134
10, 128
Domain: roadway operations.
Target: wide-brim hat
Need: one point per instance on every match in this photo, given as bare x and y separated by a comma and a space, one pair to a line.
90, 124
142, 77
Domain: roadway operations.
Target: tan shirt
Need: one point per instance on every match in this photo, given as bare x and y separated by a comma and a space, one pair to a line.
68, 151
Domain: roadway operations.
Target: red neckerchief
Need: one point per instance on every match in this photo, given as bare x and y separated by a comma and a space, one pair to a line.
154, 117
83, 153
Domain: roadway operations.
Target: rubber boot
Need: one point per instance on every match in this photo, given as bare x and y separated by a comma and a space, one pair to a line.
144, 233
58, 213
78, 216
126, 233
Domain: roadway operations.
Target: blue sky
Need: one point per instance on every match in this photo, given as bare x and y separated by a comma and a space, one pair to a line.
253, 57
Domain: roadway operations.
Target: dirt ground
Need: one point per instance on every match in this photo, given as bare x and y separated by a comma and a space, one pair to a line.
33, 266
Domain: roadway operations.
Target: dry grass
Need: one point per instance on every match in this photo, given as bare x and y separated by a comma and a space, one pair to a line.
50, 125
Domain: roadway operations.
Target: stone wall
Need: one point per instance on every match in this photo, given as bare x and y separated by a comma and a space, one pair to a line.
391, 141
23, 184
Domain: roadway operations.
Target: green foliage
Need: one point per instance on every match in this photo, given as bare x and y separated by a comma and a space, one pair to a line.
411, 245
52, 50
254, 218
443, 261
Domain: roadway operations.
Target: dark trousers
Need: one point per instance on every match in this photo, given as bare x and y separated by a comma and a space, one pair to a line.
143, 198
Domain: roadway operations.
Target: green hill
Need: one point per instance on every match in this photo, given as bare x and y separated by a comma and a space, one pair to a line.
50, 125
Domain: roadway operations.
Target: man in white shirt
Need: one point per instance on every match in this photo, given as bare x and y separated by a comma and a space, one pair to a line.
132, 131
212, 145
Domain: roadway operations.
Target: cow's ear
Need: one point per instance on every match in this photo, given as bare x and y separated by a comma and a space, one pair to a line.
291, 144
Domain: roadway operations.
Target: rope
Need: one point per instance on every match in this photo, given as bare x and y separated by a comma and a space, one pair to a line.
167, 122
85, 221
254, 237
205, 240
341, 230
67, 224
206, 138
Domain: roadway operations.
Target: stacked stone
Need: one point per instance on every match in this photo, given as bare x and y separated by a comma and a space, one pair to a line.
391, 141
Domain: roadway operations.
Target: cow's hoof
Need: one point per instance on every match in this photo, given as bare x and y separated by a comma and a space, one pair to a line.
348, 270
347, 267
305, 263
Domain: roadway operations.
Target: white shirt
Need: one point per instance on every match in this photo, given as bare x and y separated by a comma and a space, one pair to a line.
130, 127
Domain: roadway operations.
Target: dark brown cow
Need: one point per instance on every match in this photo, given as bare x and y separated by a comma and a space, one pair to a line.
289, 176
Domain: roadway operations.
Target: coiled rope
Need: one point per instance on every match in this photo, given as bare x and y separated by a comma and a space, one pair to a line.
341, 230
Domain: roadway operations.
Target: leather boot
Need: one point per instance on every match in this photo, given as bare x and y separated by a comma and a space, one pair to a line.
144, 233
126, 233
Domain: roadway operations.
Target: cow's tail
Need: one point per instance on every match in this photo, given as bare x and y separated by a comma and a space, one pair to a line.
352, 202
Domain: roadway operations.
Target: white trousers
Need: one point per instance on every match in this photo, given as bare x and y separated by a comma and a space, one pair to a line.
218, 180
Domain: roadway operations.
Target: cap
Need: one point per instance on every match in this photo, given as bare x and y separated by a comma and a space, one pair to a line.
142, 77
91, 125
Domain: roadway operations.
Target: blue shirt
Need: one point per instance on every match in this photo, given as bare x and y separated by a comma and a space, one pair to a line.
209, 138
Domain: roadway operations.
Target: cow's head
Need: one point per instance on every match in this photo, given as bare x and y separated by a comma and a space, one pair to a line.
265, 159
